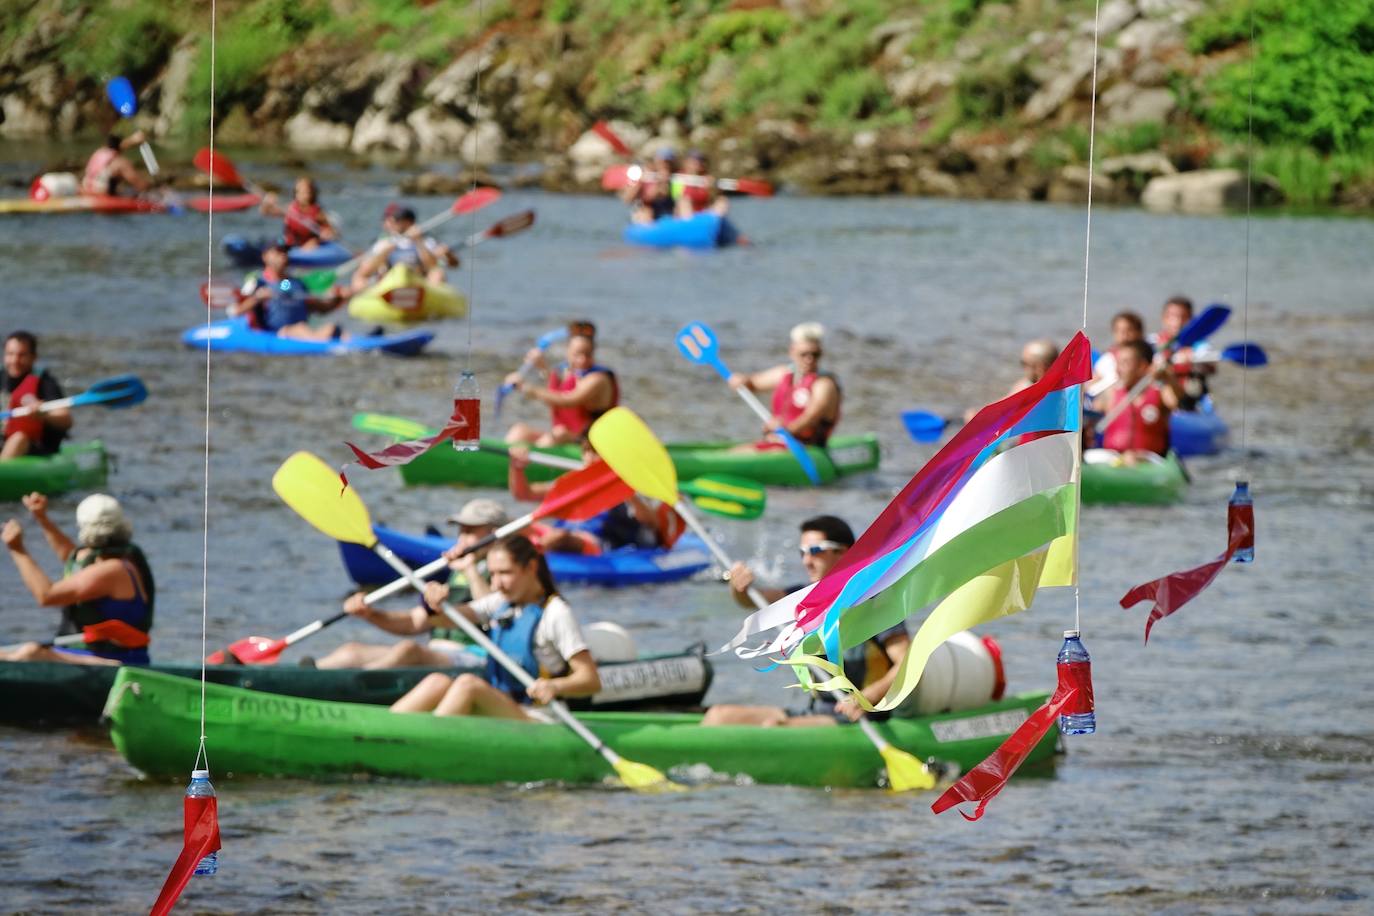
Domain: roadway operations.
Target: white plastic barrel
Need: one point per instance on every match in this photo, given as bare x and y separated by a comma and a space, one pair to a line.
962, 673
609, 642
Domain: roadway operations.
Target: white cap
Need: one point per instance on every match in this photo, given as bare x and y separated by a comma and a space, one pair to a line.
1070, 634
200, 774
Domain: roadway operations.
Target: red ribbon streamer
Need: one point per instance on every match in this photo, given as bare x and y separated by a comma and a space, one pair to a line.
1171, 592
401, 453
983, 782
201, 818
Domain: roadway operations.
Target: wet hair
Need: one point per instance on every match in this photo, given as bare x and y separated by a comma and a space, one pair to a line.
24, 337
831, 528
1131, 318
1142, 349
1183, 301
521, 550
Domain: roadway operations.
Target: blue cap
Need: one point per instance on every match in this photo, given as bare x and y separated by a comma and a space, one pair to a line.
666, 154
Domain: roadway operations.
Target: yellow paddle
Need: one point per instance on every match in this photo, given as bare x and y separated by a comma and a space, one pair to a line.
311, 487
627, 444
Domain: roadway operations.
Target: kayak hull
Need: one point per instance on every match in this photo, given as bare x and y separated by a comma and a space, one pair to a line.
1198, 432
54, 693
626, 566
700, 232
245, 253
76, 467
235, 336
1146, 484
113, 205
403, 296
156, 726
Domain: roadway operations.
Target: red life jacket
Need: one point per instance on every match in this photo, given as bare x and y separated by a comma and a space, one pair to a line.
296, 227
32, 425
1142, 427
577, 419
790, 399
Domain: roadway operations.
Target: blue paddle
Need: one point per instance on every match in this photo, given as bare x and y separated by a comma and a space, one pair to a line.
121, 95
543, 343
698, 343
120, 391
1248, 355
924, 426
1195, 331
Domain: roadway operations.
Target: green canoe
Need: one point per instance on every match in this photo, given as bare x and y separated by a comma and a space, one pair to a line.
75, 467
1154, 483
54, 693
155, 725
844, 455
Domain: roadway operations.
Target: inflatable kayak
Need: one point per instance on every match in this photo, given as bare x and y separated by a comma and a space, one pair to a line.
627, 566
701, 231
155, 724
1197, 432
76, 467
843, 456
245, 253
404, 295
235, 336
57, 693
1151, 482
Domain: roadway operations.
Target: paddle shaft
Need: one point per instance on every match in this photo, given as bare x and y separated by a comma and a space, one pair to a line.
544, 458
71, 639
76, 400
493, 651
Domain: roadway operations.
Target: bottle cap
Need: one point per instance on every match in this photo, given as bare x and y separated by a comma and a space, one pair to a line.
1070, 634
200, 774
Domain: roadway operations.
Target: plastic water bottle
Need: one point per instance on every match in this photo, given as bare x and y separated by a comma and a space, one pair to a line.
1242, 508
200, 788
1076, 670
467, 406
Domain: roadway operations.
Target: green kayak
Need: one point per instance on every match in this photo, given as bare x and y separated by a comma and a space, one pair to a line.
1150, 483
55, 693
75, 467
844, 455
155, 724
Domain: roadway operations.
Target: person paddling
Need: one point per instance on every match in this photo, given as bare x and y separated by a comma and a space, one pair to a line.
305, 224
1126, 327
651, 195
577, 392
528, 620
108, 170
276, 302
402, 242
1192, 376
447, 645
1142, 429
871, 666
806, 400
105, 577
21, 386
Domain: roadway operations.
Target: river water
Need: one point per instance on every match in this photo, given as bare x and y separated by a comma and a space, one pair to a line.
1232, 767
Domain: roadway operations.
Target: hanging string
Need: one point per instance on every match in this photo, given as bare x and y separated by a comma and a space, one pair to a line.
1087, 263
476, 154
1249, 186
201, 753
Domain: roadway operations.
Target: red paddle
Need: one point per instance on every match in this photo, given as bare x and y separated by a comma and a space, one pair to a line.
618, 176
575, 496
603, 130
118, 632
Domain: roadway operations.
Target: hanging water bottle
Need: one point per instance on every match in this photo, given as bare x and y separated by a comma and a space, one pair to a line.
1242, 509
200, 788
1076, 671
467, 409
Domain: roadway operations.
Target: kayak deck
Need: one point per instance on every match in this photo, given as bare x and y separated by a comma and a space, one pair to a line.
236, 336
75, 467
155, 727
1149, 483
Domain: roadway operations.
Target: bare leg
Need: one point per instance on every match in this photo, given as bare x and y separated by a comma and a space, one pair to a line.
16, 446
353, 655
34, 652
472, 696
425, 695
409, 654
523, 432
303, 331
730, 714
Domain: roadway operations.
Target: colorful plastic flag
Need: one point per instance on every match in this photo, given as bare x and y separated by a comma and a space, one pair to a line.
1171, 592
201, 837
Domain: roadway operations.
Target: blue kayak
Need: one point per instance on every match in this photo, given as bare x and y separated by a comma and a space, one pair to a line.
1197, 432
702, 231
626, 566
245, 253
235, 336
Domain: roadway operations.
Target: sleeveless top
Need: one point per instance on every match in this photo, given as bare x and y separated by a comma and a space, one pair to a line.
137, 611
97, 177
790, 399
577, 419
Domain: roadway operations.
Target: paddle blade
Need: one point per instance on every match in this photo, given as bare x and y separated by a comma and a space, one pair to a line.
754, 186
627, 444
643, 778
697, 342
116, 631
729, 497
904, 772
604, 131
617, 176
121, 95
549, 338
924, 426
311, 488
1203, 326
131, 392
512, 224
224, 203
216, 165
584, 493
257, 650
1249, 355
475, 200
219, 294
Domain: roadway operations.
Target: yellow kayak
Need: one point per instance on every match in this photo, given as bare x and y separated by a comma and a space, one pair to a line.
404, 295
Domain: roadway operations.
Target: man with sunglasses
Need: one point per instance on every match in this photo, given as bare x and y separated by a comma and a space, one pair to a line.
872, 666
806, 401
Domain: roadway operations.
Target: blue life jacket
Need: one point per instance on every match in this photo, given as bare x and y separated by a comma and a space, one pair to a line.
514, 635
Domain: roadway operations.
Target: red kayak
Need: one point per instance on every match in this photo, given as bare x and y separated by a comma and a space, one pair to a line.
104, 204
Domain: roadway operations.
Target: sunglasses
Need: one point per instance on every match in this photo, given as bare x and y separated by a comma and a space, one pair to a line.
815, 550
813, 354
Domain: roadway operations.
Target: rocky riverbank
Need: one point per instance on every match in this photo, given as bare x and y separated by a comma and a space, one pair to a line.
975, 99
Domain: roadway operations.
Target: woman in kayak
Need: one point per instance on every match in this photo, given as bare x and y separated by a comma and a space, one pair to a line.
106, 578
108, 168
806, 401
577, 392
275, 302
528, 620
20, 386
304, 221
